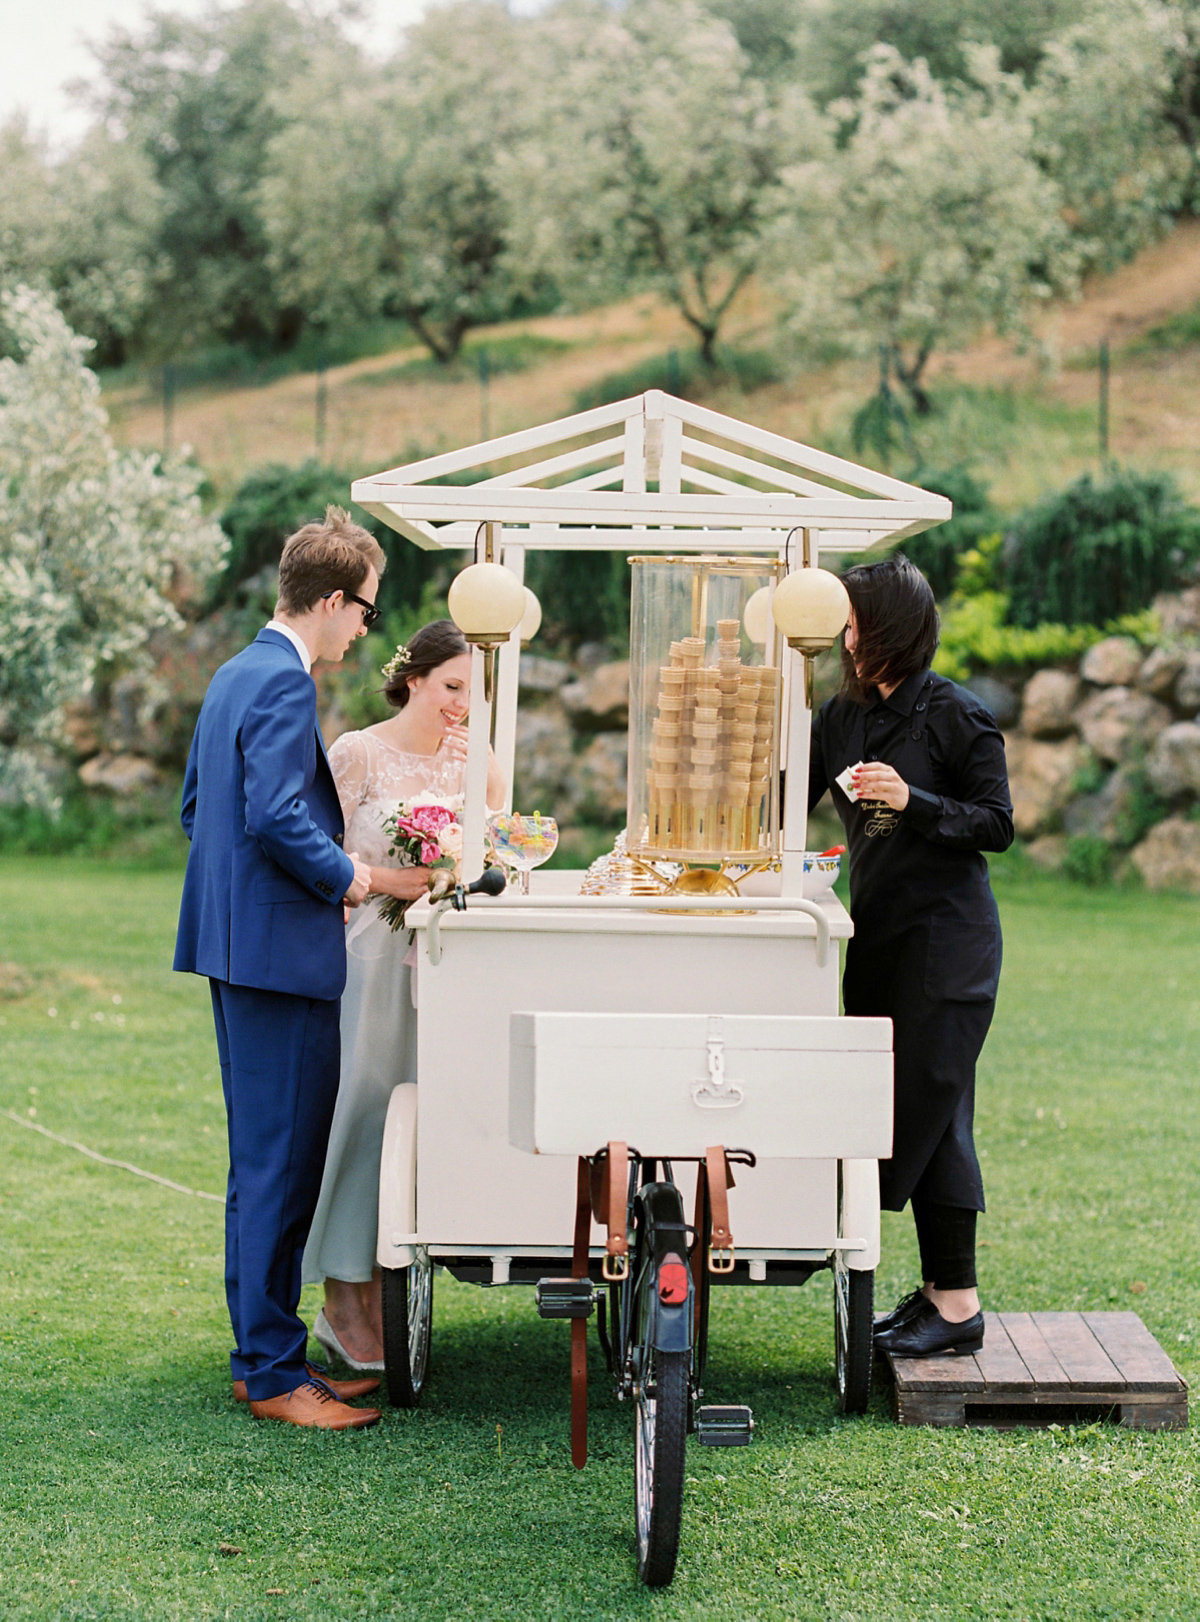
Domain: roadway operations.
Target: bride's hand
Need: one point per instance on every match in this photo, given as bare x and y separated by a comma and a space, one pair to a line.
405, 883
454, 744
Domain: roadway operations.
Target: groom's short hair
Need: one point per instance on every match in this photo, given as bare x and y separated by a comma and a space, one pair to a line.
333, 555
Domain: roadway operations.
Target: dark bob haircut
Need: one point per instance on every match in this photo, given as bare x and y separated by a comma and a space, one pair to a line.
897, 625
432, 646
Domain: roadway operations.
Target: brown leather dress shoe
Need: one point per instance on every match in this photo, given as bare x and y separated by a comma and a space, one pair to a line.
313, 1403
343, 1390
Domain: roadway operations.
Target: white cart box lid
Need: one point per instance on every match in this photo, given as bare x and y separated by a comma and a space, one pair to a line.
785, 1086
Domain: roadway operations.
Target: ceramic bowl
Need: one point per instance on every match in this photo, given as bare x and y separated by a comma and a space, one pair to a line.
820, 873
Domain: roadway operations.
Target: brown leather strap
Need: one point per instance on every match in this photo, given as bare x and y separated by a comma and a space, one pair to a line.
610, 1196
720, 1181
579, 1269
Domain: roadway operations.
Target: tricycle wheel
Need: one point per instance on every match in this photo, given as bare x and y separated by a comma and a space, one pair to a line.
853, 1327
407, 1328
662, 1410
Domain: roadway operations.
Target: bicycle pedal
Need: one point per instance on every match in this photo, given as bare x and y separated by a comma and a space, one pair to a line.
565, 1298
724, 1427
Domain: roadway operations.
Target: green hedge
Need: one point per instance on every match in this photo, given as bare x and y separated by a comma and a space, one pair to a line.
275, 501
1099, 550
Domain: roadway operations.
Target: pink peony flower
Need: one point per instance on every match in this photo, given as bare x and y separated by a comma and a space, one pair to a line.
430, 851
430, 819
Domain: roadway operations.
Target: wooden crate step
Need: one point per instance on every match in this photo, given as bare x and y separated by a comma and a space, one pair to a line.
1038, 1368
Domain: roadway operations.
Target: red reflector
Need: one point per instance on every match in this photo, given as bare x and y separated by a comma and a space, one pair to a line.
672, 1282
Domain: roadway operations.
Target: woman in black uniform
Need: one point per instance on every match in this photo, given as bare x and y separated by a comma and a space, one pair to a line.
932, 797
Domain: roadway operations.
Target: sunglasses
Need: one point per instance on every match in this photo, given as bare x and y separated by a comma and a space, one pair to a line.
370, 612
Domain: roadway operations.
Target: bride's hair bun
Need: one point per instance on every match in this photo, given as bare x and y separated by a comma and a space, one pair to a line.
432, 646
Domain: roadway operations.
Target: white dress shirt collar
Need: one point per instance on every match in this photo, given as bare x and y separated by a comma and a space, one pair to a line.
296, 641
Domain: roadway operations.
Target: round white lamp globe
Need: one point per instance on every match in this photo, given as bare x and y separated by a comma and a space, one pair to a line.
811, 608
486, 602
531, 620
756, 616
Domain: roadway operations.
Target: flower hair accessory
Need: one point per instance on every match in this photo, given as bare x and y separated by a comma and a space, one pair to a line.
397, 662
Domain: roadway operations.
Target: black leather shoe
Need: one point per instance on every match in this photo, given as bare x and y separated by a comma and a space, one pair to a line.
928, 1334
900, 1313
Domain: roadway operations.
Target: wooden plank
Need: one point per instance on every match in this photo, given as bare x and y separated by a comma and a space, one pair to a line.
937, 1374
525, 439
789, 450
929, 1408
1022, 1329
700, 451
999, 1361
710, 481
1141, 1361
445, 502
1148, 1415
566, 463
1079, 1352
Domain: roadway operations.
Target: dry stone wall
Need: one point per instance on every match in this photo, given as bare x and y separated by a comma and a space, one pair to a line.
1110, 751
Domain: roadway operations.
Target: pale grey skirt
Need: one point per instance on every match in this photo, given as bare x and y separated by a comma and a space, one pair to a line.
379, 1051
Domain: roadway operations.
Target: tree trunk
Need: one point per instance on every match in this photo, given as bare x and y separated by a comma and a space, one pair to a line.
910, 376
443, 346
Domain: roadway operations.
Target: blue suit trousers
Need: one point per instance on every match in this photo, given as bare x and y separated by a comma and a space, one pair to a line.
280, 1059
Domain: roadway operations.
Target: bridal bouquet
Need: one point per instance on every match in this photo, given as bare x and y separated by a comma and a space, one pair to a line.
425, 831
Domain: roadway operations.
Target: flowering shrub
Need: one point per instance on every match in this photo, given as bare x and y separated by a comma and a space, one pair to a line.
95, 544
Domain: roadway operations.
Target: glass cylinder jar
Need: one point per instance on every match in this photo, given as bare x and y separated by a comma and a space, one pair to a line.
704, 710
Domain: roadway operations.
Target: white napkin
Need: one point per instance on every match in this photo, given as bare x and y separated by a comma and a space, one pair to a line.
845, 781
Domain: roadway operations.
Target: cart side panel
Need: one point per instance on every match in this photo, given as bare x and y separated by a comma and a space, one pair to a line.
474, 1188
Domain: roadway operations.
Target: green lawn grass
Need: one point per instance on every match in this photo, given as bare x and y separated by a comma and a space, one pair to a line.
124, 1464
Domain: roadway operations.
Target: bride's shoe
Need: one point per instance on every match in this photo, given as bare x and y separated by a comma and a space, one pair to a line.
323, 1332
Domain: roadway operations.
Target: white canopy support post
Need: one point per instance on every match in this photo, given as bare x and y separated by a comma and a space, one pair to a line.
798, 721
479, 733
475, 804
507, 688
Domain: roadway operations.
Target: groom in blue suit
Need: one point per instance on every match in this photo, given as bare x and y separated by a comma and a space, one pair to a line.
262, 918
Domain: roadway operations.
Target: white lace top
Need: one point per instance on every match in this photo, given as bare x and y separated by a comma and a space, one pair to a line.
373, 777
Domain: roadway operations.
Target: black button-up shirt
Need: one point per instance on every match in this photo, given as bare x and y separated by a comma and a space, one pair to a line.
926, 861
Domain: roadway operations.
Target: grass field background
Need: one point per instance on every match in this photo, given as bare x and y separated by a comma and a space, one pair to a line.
125, 1465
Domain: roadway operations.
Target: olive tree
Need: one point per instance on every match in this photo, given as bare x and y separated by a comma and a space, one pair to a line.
660, 157
931, 220
199, 98
390, 190
84, 227
1117, 111
94, 543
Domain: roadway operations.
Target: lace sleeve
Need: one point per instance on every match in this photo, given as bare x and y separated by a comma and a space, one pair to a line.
349, 760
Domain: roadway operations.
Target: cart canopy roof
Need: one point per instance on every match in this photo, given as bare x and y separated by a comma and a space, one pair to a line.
686, 479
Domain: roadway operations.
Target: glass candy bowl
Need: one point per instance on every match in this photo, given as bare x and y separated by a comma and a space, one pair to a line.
522, 842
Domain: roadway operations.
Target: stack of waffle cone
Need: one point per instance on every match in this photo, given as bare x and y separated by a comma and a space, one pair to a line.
710, 753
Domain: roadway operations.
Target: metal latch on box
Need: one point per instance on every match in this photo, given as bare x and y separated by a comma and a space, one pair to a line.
717, 1092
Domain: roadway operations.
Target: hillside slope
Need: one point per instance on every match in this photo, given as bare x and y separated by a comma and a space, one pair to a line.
1027, 422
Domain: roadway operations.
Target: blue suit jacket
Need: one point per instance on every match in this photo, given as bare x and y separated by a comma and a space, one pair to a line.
266, 873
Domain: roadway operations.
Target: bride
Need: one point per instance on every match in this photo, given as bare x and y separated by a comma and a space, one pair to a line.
422, 748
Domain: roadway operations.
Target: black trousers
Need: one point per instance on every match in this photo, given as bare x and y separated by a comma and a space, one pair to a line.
936, 1042
946, 1235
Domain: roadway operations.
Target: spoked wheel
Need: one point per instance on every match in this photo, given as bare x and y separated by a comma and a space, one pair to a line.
407, 1328
853, 1327
662, 1410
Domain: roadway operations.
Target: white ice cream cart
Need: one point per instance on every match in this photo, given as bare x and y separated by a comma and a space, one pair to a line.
580, 1045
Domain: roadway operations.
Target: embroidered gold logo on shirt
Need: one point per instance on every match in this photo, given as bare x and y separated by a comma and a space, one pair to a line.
881, 818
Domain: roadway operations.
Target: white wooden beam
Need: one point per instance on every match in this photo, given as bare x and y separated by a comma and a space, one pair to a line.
496, 450
760, 509
583, 457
